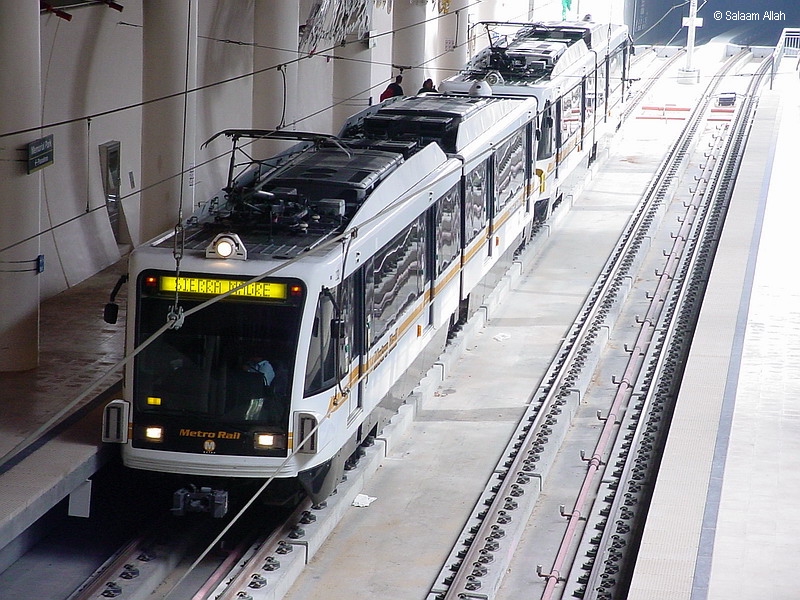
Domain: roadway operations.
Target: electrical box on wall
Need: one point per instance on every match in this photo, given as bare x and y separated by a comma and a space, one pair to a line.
110, 171
368, 39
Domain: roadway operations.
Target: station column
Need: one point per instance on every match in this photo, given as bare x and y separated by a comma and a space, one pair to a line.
276, 36
20, 109
453, 39
352, 74
408, 42
168, 118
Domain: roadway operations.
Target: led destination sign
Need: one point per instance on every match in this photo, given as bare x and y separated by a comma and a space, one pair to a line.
214, 287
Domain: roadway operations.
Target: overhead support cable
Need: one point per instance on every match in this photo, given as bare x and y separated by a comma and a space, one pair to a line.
61, 14
113, 5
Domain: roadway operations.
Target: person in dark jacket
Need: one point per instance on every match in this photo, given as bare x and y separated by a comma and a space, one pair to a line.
427, 86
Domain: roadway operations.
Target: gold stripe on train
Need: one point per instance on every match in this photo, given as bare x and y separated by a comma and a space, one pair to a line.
372, 361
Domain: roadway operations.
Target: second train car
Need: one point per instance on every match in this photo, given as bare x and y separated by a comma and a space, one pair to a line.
577, 70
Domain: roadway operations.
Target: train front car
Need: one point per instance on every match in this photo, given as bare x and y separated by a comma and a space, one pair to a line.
578, 71
212, 394
228, 391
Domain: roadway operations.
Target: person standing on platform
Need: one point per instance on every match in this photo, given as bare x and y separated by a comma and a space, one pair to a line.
427, 86
393, 89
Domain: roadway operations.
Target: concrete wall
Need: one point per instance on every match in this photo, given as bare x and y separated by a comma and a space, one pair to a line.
91, 65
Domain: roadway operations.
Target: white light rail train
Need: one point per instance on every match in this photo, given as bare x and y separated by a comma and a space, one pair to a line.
343, 259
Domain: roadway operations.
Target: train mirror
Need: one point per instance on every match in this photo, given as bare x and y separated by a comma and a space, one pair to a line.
337, 329
116, 419
110, 312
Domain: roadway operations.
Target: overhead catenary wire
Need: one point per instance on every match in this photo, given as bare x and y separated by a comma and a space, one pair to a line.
183, 172
175, 313
305, 56
196, 89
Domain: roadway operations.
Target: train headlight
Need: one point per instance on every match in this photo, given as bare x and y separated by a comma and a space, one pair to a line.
226, 245
480, 88
494, 78
154, 433
264, 441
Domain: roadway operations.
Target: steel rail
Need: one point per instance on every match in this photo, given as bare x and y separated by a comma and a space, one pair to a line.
636, 362
611, 558
252, 571
503, 518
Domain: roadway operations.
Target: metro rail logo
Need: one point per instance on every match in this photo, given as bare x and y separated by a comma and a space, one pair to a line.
211, 435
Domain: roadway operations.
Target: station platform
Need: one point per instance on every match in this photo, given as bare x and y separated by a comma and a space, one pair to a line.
45, 457
722, 523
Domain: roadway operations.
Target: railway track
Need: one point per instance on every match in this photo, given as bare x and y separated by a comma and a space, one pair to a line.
621, 467
189, 558
630, 475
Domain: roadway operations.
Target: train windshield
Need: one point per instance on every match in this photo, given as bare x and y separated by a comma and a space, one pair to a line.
230, 362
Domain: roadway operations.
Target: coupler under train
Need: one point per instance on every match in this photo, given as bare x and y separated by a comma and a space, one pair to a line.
200, 500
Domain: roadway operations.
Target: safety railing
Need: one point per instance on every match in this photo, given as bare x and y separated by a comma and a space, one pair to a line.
788, 45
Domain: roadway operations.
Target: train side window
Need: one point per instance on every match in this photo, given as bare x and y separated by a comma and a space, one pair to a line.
590, 95
545, 147
570, 112
349, 337
475, 199
447, 229
509, 165
600, 83
351, 300
399, 277
615, 73
321, 368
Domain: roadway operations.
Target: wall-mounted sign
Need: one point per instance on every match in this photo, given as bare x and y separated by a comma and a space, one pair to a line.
40, 153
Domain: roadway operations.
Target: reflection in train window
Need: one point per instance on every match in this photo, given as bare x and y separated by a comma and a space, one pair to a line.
447, 221
509, 165
475, 200
399, 277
